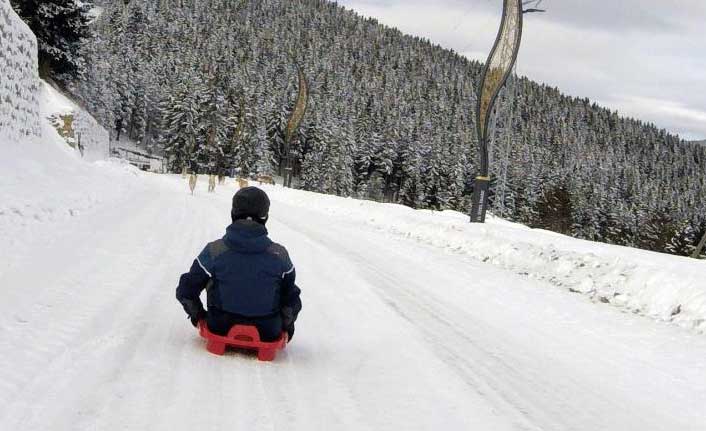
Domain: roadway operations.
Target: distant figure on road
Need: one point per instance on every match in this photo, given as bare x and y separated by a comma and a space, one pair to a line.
248, 278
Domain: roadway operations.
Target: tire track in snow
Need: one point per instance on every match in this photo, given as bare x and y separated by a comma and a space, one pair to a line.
128, 352
146, 274
79, 312
55, 306
371, 349
166, 338
353, 299
538, 389
435, 329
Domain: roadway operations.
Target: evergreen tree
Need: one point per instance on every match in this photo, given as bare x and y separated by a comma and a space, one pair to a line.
183, 135
265, 158
60, 27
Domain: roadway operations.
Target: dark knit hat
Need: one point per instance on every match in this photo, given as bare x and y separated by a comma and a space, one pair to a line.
250, 202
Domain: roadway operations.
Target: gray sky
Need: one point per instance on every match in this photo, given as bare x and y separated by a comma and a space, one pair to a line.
644, 58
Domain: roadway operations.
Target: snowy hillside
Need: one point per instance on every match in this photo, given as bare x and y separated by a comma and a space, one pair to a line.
390, 118
26, 101
44, 179
412, 320
85, 134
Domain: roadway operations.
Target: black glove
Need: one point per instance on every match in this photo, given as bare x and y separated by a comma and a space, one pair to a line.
199, 315
287, 315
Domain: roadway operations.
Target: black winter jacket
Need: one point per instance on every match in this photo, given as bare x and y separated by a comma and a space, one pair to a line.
248, 278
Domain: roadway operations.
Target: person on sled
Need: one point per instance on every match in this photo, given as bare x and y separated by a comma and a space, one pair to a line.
249, 279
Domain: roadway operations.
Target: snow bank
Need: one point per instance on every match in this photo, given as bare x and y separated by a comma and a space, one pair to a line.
42, 177
667, 288
87, 134
91, 136
24, 99
19, 79
45, 181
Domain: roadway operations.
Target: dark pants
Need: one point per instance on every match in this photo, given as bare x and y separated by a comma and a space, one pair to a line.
220, 322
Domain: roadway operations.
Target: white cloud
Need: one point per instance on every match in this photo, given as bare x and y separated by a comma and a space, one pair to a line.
692, 121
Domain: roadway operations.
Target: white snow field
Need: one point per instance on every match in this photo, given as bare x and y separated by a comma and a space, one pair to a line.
404, 326
395, 333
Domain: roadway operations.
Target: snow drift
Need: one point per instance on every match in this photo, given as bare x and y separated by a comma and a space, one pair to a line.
25, 99
665, 287
46, 182
87, 136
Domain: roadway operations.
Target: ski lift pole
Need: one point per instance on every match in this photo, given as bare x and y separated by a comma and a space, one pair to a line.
496, 71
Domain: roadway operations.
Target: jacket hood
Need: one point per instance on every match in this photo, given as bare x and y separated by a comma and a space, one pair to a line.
247, 236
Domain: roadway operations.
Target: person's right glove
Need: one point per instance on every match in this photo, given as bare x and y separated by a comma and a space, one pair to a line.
199, 315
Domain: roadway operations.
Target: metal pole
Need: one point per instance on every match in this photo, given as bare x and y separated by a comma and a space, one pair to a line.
287, 181
496, 71
293, 124
480, 199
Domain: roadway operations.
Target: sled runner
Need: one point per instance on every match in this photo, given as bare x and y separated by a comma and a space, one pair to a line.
242, 337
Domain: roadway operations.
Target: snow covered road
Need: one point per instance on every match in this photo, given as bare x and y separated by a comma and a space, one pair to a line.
394, 335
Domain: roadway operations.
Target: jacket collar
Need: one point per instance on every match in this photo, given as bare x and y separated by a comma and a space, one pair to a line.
247, 236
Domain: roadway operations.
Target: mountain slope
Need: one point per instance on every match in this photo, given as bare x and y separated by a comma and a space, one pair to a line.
390, 118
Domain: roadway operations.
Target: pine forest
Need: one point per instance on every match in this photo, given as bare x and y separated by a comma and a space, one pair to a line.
210, 84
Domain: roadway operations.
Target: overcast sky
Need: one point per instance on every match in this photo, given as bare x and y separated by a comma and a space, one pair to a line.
644, 58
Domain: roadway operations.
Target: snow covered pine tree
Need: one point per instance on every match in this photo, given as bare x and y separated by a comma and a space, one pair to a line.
60, 27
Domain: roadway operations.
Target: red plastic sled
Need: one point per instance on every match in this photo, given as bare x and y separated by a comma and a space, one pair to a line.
242, 337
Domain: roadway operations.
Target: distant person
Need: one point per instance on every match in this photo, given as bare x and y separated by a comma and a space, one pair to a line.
118, 128
249, 279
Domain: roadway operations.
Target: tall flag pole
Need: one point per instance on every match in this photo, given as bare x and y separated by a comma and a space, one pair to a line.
496, 71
